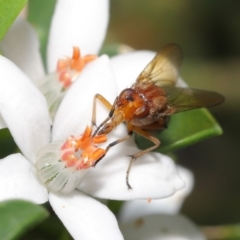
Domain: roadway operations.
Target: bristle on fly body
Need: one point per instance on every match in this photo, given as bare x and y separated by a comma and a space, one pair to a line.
61, 166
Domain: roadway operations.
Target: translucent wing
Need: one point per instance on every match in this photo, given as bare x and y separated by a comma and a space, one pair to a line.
183, 99
163, 70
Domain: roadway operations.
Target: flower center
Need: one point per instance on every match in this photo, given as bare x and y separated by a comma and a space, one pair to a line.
55, 85
69, 68
82, 152
61, 167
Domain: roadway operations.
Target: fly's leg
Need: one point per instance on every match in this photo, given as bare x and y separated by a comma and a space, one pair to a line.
112, 144
104, 101
135, 156
130, 129
107, 104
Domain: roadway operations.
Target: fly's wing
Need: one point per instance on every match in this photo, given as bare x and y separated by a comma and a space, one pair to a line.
183, 99
163, 70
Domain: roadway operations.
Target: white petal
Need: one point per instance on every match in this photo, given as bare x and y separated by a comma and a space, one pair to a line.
164, 227
152, 176
21, 46
128, 66
77, 23
18, 180
75, 111
23, 109
134, 209
84, 217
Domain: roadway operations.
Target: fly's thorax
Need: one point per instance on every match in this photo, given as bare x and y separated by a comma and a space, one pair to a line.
154, 96
155, 103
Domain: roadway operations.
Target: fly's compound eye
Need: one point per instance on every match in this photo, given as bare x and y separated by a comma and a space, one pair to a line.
126, 95
130, 98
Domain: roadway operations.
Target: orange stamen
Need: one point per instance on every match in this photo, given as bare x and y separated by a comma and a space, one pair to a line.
100, 138
76, 53
98, 153
70, 143
87, 133
83, 152
69, 68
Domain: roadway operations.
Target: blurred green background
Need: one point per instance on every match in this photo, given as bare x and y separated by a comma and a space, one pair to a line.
209, 33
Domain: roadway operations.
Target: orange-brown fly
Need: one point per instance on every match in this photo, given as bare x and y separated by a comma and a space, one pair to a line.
151, 100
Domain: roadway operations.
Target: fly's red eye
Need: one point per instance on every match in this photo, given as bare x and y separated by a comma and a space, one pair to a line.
127, 94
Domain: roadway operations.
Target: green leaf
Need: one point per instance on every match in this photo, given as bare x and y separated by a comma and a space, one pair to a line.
115, 206
111, 50
7, 144
114, 49
184, 129
40, 15
17, 216
9, 10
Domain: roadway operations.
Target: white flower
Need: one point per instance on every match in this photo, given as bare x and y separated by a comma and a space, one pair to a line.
160, 219
25, 113
78, 23
132, 210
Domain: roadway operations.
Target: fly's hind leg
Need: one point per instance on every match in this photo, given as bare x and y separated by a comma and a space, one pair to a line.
135, 156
